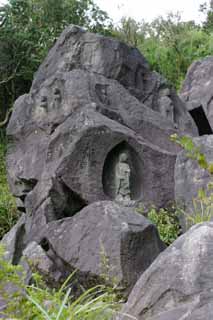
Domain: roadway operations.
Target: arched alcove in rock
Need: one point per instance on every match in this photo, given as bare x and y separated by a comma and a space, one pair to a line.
136, 171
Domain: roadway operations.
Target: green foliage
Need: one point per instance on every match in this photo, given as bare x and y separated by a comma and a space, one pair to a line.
8, 211
193, 152
202, 209
169, 44
28, 28
38, 302
166, 221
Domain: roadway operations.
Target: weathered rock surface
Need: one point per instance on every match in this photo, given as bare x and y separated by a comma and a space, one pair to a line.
13, 241
35, 258
93, 99
178, 284
103, 231
190, 177
197, 92
103, 239
86, 99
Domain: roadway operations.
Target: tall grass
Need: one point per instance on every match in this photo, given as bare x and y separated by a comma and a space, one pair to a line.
38, 302
8, 211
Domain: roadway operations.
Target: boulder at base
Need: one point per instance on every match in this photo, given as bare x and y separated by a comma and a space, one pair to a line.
179, 283
103, 240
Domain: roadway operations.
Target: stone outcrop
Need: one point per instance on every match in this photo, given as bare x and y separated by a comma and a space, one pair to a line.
104, 240
197, 93
92, 100
190, 177
178, 284
87, 99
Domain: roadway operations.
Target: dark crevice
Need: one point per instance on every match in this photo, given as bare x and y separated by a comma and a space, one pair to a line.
66, 203
73, 204
19, 245
113, 115
44, 243
201, 121
21, 209
26, 186
20, 204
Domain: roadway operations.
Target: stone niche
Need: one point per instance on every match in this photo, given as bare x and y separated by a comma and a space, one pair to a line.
134, 165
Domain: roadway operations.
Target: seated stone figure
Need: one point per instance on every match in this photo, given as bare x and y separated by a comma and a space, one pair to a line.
122, 179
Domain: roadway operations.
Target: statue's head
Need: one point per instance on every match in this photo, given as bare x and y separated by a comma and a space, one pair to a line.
123, 157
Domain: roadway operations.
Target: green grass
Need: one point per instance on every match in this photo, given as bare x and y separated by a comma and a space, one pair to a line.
38, 302
8, 211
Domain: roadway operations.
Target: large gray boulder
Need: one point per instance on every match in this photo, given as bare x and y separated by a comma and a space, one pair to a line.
103, 241
190, 177
87, 99
92, 100
179, 283
196, 92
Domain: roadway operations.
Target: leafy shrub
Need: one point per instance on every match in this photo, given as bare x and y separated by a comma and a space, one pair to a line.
167, 224
166, 221
8, 211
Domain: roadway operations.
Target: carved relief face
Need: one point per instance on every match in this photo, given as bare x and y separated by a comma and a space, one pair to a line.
57, 94
43, 103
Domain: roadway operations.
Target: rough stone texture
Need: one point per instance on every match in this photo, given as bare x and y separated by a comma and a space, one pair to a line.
13, 241
34, 257
197, 87
92, 99
88, 97
178, 284
190, 178
103, 231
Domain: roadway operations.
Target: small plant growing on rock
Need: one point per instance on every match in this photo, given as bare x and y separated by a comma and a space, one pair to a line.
166, 221
203, 203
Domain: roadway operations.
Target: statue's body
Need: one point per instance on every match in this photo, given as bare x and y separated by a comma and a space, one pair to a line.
122, 178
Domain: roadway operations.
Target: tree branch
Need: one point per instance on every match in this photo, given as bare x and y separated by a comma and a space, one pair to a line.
5, 121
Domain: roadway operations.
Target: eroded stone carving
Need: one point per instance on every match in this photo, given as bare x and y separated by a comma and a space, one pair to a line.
57, 98
44, 103
122, 179
166, 105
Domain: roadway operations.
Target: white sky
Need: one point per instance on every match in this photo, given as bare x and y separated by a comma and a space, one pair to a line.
149, 9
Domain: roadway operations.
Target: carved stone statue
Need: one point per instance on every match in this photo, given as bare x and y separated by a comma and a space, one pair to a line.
57, 98
122, 179
43, 103
166, 104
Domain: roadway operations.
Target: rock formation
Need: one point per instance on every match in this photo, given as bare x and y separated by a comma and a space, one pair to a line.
190, 177
197, 93
93, 130
178, 285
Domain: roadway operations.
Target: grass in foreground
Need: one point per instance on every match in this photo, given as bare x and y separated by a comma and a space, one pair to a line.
41, 303
8, 211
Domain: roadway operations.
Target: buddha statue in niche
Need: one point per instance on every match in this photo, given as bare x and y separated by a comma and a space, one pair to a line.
122, 179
